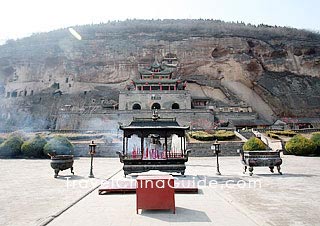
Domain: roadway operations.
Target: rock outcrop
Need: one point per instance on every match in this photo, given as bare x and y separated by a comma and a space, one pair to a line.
276, 70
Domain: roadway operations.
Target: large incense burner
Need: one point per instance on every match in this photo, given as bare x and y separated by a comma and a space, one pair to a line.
60, 163
266, 158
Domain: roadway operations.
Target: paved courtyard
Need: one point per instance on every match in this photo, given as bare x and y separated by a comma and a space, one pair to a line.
29, 195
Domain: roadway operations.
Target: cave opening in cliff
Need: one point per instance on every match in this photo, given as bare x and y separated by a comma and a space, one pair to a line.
14, 94
214, 52
250, 43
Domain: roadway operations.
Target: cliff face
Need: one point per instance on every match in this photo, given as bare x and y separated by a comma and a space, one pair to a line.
275, 70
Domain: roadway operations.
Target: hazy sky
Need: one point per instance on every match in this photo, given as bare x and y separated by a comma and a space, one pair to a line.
19, 18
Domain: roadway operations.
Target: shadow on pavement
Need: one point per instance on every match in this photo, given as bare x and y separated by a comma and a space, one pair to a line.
70, 177
285, 175
203, 165
181, 215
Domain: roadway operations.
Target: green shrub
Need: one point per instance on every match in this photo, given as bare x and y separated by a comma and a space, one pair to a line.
288, 133
34, 147
212, 135
272, 135
224, 135
11, 147
299, 145
20, 134
201, 135
58, 145
316, 140
254, 144
2, 140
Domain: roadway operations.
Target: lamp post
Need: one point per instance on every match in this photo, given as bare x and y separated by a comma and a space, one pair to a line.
216, 150
92, 151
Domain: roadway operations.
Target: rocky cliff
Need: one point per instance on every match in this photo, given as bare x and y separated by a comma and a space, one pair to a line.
276, 70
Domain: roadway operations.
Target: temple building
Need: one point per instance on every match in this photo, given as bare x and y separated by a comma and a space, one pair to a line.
155, 89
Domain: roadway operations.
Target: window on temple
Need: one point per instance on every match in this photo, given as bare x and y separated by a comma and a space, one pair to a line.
136, 107
155, 87
165, 87
175, 106
146, 87
156, 106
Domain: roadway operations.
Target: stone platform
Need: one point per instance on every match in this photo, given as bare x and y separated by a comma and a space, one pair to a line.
31, 196
129, 186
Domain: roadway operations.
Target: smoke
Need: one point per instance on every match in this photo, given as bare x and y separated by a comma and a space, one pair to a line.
101, 124
15, 119
134, 143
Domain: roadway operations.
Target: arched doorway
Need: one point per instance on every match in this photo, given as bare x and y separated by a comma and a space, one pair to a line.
156, 106
175, 106
136, 107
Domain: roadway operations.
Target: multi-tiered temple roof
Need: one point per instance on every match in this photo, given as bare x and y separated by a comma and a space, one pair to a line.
156, 88
157, 77
156, 71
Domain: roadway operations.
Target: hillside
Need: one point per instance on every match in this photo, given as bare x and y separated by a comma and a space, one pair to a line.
276, 70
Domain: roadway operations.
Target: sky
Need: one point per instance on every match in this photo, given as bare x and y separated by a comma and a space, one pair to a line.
21, 18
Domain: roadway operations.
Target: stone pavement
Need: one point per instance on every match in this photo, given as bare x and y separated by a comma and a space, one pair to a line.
29, 195
231, 199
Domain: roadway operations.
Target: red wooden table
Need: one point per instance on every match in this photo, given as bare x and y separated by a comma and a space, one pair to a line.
155, 192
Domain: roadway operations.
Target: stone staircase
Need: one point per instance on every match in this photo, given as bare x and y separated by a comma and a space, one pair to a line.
246, 134
271, 143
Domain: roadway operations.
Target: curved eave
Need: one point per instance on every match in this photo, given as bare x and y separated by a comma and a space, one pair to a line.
154, 127
156, 73
156, 81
